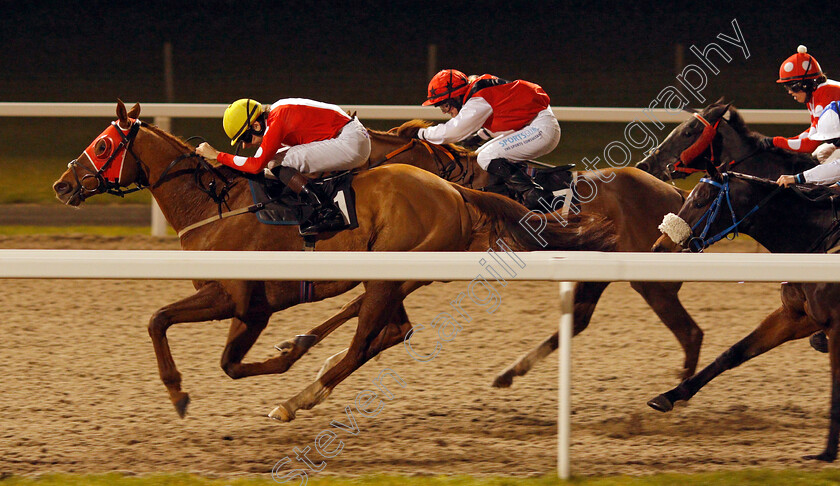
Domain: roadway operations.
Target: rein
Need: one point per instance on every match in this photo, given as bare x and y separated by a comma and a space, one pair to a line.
216, 194
697, 244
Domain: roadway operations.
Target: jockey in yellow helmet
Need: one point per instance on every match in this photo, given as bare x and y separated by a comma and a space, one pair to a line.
295, 136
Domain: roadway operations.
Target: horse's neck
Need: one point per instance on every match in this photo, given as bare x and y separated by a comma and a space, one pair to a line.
789, 224
180, 199
467, 172
747, 159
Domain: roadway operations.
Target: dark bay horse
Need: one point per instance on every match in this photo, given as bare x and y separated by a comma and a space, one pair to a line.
784, 221
444, 216
633, 201
719, 134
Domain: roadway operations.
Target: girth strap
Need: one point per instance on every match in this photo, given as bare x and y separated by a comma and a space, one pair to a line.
227, 214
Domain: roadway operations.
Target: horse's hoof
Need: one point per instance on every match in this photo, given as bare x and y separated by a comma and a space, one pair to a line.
282, 414
819, 341
305, 341
285, 347
826, 456
661, 403
503, 381
181, 405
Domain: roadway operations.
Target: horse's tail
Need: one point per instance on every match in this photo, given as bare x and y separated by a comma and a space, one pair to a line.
526, 230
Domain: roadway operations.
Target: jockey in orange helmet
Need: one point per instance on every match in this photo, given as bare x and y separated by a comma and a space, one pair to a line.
802, 77
514, 116
295, 136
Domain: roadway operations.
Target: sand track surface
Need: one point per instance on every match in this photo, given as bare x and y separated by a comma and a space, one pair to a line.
81, 393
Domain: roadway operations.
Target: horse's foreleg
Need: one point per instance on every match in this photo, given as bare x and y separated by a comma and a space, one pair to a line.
242, 335
783, 325
381, 302
209, 303
587, 295
663, 298
830, 452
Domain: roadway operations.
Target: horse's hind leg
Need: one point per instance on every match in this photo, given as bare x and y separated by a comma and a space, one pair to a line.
783, 325
663, 298
209, 303
587, 295
830, 452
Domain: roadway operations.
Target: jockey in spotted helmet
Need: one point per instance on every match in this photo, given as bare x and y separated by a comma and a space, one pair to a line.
801, 76
294, 136
514, 117
828, 131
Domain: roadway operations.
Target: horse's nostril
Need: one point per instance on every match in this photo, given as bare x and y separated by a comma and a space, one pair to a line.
61, 188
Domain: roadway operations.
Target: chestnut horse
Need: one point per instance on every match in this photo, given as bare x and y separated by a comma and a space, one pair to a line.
633, 201
399, 208
784, 221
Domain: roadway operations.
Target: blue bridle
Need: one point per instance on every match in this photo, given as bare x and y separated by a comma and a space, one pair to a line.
697, 244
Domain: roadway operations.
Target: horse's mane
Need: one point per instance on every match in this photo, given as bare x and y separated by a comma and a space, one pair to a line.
410, 128
798, 159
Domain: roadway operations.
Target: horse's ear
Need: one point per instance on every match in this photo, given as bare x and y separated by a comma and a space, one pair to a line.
720, 101
134, 112
712, 170
121, 113
718, 111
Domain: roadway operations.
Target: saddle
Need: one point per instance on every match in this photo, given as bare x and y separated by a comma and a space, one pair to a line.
284, 207
550, 178
558, 180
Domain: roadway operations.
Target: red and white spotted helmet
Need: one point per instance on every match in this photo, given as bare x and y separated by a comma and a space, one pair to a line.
799, 67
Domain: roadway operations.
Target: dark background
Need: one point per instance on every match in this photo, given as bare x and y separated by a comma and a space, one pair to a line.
583, 53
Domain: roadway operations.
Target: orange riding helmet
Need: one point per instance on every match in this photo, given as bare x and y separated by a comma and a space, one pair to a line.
449, 83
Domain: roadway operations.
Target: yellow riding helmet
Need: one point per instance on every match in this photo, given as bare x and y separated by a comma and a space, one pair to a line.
239, 116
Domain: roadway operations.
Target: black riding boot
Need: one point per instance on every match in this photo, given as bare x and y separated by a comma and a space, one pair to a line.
527, 191
325, 217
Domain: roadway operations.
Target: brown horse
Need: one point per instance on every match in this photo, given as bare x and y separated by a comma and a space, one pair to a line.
399, 208
632, 200
784, 221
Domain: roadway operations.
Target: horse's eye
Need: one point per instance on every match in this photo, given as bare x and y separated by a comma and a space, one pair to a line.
102, 148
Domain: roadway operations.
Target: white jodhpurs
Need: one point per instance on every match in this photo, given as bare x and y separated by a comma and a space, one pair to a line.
350, 149
536, 139
826, 152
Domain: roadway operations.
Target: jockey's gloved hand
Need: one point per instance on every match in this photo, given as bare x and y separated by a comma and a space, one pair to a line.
765, 143
472, 142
